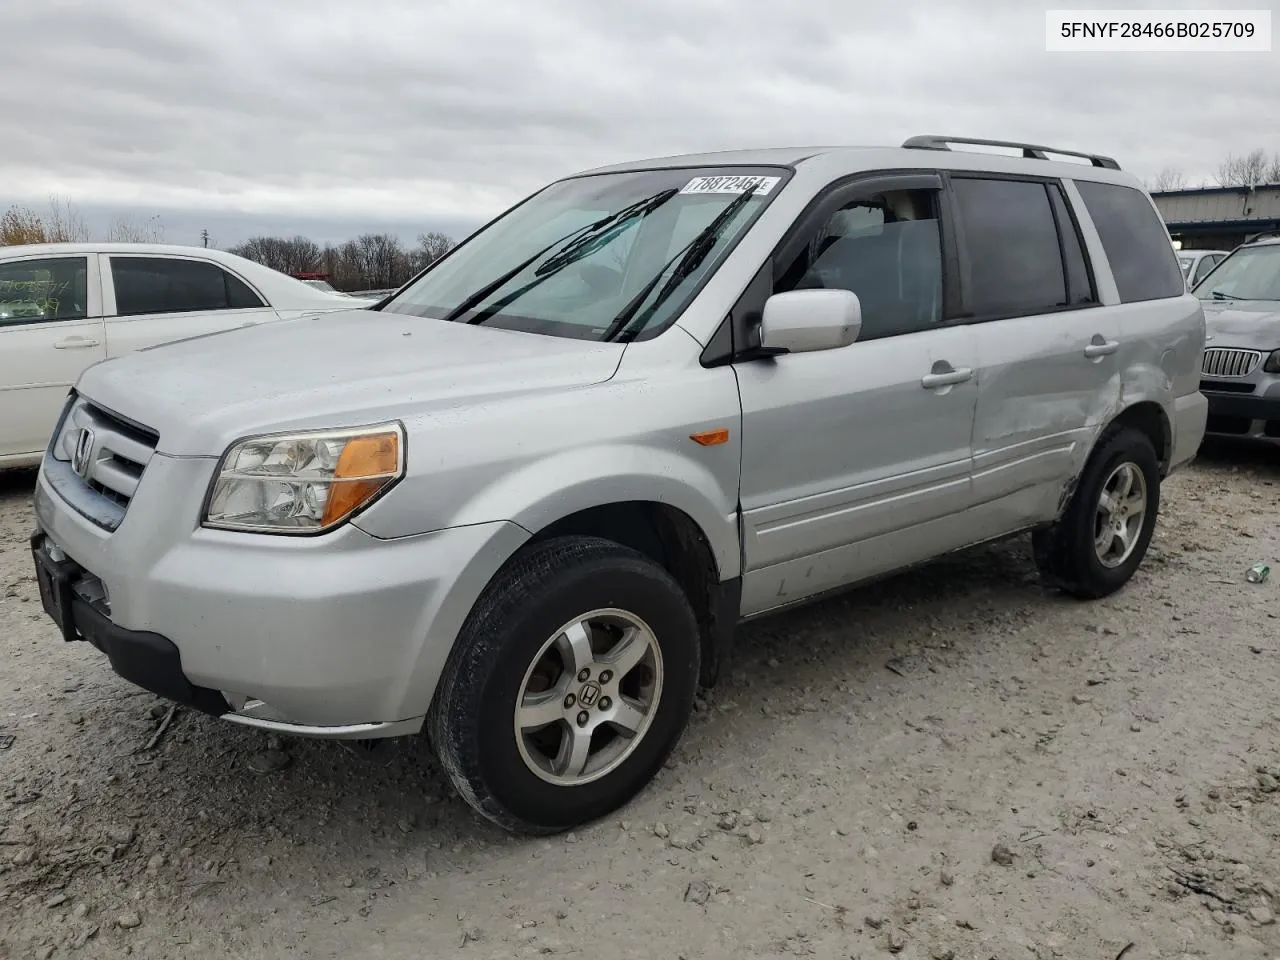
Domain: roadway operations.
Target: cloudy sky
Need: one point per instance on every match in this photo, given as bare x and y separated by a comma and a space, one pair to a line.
335, 116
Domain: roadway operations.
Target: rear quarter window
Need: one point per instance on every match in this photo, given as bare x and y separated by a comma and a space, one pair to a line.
1135, 240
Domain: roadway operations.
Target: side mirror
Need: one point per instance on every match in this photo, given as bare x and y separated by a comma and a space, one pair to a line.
801, 321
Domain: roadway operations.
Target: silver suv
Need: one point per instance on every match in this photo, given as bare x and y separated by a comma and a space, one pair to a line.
523, 503
1241, 371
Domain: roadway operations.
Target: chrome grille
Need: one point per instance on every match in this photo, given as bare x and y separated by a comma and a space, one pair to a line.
103, 455
1227, 362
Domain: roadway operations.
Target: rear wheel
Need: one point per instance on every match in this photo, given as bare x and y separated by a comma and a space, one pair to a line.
568, 687
1099, 542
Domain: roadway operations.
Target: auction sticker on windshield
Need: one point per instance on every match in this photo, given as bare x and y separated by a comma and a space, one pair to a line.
730, 185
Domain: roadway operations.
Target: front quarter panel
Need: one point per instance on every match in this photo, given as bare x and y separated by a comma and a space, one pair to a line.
536, 460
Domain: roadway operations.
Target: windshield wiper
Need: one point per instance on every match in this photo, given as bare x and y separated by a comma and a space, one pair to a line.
690, 258
1219, 295
599, 236
572, 243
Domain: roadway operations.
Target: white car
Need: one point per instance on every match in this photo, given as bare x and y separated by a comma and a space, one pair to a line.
1196, 264
65, 306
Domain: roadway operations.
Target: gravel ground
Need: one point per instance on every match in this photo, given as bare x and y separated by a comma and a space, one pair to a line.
952, 764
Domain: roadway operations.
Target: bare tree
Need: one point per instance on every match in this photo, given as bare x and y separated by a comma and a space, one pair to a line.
381, 260
372, 261
349, 270
1170, 178
286, 254
1246, 171
331, 263
431, 247
65, 224
1273, 171
125, 229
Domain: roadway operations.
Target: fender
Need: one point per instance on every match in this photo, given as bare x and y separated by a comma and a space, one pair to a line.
1148, 384
544, 491
550, 489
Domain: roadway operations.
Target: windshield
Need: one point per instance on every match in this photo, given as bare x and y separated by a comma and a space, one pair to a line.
1250, 273
604, 257
1185, 263
321, 285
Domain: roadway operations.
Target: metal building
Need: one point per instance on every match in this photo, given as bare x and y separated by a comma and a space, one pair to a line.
1219, 218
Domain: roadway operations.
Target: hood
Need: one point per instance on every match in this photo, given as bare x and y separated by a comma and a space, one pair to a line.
317, 301
1248, 324
334, 370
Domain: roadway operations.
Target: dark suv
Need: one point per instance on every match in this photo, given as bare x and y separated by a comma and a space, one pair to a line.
1240, 374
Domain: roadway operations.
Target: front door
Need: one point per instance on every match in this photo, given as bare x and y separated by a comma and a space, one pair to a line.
50, 331
856, 461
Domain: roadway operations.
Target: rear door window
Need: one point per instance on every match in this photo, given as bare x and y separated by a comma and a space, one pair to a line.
145, 285
1080, 288
1015, 261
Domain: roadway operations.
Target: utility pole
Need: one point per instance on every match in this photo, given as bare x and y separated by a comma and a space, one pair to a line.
204, 237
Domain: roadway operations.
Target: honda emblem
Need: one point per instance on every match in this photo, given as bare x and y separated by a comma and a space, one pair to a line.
82, 458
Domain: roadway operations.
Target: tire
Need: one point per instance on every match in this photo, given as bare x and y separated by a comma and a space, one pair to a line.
501, 654
1067, 553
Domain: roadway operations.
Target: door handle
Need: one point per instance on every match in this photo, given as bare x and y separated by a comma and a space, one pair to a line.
75, 343
933, 381
1099, 347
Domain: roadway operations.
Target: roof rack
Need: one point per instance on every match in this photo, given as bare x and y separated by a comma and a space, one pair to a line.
1029, 150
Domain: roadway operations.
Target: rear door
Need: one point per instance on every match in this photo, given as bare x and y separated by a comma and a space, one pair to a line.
1047, 345
856, 461
51, 329
153, 299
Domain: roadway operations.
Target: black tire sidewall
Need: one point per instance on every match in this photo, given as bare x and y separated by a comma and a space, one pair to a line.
1126, 445
508, 642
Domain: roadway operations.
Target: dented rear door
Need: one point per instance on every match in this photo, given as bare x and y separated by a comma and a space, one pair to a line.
1046, 344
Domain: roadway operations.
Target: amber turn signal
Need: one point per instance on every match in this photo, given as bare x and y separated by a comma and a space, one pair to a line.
367, 464
711, 438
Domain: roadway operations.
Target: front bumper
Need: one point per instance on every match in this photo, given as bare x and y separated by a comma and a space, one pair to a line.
1239, 414
341, 635
146, 659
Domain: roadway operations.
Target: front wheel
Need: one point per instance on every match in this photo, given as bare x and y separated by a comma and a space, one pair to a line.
568, 686
1096, 546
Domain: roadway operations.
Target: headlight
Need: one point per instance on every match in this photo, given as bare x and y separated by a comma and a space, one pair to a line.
1273, 362
304, 482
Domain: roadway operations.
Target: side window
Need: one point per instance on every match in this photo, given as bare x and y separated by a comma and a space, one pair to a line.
33, 291
1206, 264
169, 285
1016, 265
1136, 242
1080, 289
887, 249
239, 296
